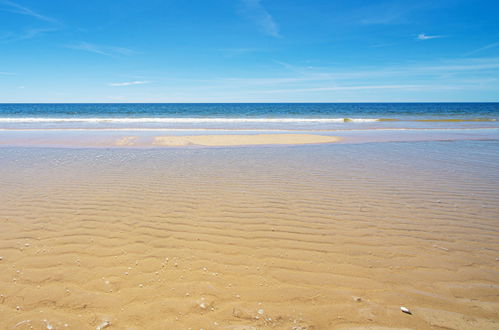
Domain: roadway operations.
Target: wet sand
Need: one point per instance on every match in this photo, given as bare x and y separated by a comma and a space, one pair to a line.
161, 138
241, 139
312, 237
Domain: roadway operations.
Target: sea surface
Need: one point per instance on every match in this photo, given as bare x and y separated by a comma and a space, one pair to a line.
344, 116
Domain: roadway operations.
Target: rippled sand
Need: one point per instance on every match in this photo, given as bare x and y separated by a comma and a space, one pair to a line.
317, 237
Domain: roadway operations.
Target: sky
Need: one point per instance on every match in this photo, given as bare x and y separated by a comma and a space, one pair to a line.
249, 51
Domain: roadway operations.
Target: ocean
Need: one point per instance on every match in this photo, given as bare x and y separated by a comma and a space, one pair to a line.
241, 114
353, 122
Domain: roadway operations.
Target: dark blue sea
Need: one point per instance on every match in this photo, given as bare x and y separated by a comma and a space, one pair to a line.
281, 116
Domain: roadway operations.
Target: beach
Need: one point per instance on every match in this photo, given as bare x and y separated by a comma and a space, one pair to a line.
241, 216
324, 236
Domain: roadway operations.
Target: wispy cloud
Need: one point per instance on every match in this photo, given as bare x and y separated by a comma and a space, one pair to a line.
231, 52
100, 49
27, 34
3, 73
13, 7
386, 12
256, 12
357, 88
129, 83
492, 45
32, 33
423, 36
310, 79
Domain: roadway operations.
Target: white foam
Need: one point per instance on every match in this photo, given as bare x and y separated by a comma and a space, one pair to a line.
181, 120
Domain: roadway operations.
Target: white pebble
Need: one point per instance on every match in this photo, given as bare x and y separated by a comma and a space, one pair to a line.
405, 310
261, 311
103, 325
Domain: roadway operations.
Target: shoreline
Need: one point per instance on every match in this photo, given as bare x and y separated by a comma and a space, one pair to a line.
159, 138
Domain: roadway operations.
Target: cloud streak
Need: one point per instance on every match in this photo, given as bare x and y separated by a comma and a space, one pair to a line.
492, 45
255, 11
423, 36
27, 34
129, 83
16, 8
357, 88
445, 75
386, 12
100, 49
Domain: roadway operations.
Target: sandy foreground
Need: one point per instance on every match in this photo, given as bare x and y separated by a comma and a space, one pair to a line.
305, 237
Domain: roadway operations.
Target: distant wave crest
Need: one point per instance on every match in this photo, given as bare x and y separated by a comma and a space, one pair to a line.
183, 120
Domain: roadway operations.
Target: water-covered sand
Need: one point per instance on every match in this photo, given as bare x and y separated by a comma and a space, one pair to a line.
317, 237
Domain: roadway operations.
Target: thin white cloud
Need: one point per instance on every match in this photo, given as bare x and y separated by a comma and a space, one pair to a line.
100, 49
32, 33
423, 36
347, 88
13, 7
129, 83
303, 75
492, 45
385, 12
4, 73
27, 34
232, 52
256, 12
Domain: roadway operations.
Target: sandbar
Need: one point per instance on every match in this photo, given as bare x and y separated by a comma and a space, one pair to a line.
239, 140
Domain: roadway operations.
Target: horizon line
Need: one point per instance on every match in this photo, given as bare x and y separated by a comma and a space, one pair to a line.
339, 102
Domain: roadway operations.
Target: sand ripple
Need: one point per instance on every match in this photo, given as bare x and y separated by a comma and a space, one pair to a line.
314, 237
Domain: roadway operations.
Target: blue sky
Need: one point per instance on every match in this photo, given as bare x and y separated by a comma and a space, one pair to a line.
248, 51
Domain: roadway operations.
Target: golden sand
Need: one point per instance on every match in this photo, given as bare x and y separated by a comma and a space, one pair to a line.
247, 238
239, 140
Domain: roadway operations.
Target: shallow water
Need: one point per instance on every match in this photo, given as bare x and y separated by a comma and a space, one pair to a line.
317, 236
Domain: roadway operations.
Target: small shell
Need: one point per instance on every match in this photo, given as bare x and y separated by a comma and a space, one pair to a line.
103, 325
405, 310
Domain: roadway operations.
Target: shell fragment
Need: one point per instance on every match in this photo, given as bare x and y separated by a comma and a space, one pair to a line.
405, 310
